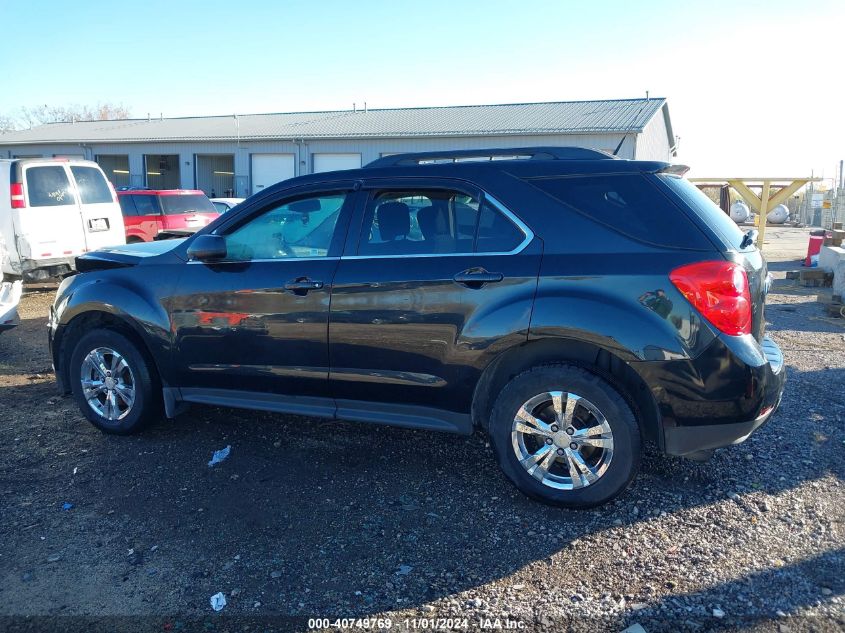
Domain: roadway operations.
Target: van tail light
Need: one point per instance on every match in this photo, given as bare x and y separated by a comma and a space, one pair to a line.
17, 196
719, 291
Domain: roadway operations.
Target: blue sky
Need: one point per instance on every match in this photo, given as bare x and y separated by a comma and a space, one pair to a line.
751, 88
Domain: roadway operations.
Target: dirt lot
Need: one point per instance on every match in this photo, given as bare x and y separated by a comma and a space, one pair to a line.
310, 518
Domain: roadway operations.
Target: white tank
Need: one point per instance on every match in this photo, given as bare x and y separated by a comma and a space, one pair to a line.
778, 215
739, 211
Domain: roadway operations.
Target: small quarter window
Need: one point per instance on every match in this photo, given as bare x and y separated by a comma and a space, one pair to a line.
496, 233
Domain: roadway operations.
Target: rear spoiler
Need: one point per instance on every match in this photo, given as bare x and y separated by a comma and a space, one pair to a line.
674, 170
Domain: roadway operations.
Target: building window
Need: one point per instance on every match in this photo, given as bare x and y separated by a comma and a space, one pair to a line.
116, 168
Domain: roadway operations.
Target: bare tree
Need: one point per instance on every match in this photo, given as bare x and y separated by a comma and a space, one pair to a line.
7, 124
39, 115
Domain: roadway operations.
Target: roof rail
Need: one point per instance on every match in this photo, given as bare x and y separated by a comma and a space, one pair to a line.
535, 153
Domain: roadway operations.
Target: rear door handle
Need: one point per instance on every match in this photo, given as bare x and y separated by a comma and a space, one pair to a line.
302, 285
477, 277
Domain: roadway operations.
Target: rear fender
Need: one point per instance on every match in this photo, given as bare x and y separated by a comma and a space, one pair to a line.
658, 324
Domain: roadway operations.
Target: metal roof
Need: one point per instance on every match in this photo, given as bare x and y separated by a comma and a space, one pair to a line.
563, 117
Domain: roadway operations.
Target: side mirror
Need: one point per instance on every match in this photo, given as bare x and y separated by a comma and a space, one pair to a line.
207, 247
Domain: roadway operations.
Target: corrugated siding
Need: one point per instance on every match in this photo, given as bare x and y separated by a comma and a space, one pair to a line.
571, 117
370, 150
653, 143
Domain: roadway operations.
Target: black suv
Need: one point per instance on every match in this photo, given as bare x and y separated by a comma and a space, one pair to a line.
570, 304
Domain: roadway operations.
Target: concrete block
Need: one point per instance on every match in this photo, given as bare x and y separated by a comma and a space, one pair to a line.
829, 256
839, 278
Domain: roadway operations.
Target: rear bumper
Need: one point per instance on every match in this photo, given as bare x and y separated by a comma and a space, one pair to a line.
40, 269
719, 398
688, 440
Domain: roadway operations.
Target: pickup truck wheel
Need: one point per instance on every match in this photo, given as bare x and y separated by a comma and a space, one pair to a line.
112, 382
565, 436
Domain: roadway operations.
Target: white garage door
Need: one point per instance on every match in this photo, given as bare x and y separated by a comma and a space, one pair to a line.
332, 162
268, 169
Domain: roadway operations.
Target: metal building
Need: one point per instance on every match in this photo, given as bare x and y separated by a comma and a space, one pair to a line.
239, 155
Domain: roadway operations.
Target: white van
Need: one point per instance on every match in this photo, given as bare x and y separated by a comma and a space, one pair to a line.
51, 210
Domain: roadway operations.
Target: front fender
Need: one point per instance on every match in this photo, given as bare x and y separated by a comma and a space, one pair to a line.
121, 296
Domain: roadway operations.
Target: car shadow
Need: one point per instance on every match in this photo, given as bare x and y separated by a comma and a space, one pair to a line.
313, 516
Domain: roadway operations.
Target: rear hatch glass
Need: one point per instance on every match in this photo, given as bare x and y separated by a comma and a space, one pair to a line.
190, 203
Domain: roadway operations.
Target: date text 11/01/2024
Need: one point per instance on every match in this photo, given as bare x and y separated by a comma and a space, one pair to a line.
408, 624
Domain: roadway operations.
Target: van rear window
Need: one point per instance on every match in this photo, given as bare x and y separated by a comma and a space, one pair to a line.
48, 186
191, 203
628, 204
92, 186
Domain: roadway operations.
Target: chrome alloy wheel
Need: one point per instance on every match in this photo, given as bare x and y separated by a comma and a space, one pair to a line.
562, 440
108, 383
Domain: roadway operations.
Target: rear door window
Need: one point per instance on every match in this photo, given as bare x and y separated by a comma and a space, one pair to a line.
628, 204
434, 222
176, 205
92, 186
147, 205
48, 186
127, 205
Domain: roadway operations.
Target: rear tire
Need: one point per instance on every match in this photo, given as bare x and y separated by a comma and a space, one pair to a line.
113, 383
565, 436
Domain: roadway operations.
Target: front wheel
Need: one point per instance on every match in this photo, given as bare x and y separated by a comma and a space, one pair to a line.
565, 436
112, 383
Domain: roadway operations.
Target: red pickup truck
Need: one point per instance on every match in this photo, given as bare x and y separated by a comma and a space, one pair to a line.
148, 212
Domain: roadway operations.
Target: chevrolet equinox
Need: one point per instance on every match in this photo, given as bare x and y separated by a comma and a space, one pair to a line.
571, 305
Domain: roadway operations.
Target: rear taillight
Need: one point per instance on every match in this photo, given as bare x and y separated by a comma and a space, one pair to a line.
17, 195
719, 290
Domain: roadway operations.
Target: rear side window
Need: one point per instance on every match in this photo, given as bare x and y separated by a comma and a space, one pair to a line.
48, 187
146, 205
93, 188
191, 203
628, 204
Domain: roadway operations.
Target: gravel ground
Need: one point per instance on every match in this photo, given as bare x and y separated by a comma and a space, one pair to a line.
310, 518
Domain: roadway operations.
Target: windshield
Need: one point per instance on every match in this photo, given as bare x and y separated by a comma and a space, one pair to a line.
191, 203
708, 211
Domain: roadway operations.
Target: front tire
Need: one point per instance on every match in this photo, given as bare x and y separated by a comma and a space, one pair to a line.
565, 436
113, 383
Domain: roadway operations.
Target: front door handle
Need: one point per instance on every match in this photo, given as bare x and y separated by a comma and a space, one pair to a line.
301, 285
477, 277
